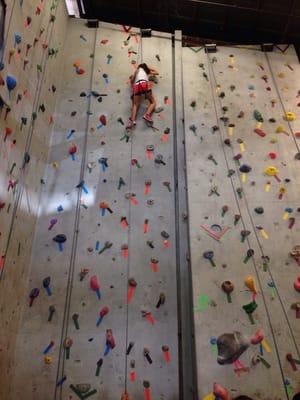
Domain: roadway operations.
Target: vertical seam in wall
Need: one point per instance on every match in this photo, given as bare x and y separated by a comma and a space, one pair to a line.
184, 297
65, 322
189, 264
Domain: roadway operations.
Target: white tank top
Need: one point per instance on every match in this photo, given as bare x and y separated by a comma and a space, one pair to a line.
141, 75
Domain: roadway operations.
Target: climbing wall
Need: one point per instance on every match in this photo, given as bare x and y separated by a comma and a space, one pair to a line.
126, 246
34, 36
244, 214
100, 292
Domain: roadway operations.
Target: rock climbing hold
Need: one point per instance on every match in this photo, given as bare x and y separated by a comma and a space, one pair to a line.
244, 235
297, 284
209, 255
259, 210
289, 116
250, 283
245, 168
271, 171
237, 158
228, 287
60, 239
282, 129
257, 115
249, 309
232, 345
272, 155
260, 132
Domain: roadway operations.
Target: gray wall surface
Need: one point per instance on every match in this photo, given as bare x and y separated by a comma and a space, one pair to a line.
215, 316
196, 309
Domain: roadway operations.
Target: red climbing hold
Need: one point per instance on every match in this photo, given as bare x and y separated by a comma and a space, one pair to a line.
102, 119
272, 155
260, 132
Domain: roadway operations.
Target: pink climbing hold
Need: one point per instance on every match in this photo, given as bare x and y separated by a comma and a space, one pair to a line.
95, 286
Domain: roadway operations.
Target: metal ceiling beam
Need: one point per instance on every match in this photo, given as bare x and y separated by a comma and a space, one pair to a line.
237, 7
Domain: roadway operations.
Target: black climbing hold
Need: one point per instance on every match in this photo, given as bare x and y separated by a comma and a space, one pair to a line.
245, 168
82, 94
26, 158
259, 210
165, 234
60, 238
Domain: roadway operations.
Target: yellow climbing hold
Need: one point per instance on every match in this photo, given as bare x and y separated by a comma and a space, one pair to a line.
271, 171
55, 165
264, 234
266, 346
250, 283
209, 396
48, 360
290, 116
281, 129
230, 131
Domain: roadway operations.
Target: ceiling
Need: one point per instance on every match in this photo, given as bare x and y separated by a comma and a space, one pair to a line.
234, 21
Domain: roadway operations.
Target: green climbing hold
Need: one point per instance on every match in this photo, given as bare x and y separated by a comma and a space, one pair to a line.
257, 115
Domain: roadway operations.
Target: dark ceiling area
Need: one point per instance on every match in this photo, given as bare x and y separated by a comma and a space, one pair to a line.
231, 21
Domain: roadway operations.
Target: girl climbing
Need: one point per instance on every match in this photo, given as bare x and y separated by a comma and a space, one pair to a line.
140, 87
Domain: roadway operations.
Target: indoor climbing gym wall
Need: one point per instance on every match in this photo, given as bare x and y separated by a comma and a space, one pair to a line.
100, 308
242, 145
29, 77
156, 263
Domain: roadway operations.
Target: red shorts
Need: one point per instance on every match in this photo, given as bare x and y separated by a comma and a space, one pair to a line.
141, 87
